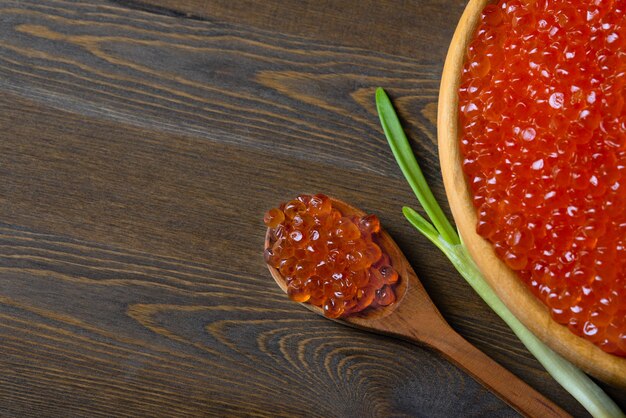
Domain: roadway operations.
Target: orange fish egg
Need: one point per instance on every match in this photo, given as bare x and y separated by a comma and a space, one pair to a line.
329, 260
543, 138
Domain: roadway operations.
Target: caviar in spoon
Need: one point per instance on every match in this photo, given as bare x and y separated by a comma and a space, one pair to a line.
328, 259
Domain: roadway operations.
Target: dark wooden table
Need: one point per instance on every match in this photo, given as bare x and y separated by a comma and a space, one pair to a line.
141, 143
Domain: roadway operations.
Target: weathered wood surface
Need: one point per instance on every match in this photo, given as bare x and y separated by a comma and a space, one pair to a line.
140, 145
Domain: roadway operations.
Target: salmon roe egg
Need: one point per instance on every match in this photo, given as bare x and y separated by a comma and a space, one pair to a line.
543, 137
329, 260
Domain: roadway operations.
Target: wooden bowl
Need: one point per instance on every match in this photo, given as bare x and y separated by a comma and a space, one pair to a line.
528, 309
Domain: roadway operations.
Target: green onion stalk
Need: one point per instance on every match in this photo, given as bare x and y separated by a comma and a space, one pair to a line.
445, 237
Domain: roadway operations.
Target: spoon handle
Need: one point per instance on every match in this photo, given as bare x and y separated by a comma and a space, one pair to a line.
416, 319
499, 380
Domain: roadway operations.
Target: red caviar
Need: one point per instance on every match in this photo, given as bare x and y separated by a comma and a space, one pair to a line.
329, 260
544, 144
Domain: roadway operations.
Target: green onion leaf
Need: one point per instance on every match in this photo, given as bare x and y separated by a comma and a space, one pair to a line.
406, 160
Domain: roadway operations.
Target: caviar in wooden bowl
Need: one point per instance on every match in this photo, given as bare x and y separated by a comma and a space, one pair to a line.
532, 141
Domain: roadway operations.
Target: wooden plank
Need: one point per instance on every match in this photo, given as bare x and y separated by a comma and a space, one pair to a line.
211, 81
415, 29
92, 330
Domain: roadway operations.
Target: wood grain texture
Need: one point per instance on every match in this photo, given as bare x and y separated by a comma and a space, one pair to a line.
139, 149
415, 29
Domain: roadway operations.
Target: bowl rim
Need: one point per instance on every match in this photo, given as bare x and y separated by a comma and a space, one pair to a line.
524, 305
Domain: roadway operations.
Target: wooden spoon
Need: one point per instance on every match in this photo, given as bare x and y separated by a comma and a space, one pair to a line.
415, 318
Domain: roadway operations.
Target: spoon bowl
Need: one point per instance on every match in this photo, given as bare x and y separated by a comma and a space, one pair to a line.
387, 244
528, 309
414, 317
